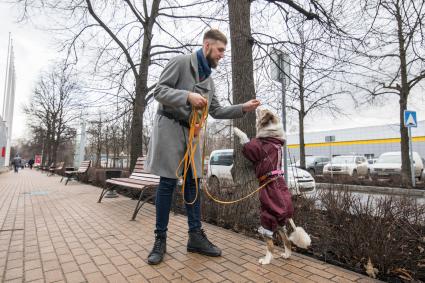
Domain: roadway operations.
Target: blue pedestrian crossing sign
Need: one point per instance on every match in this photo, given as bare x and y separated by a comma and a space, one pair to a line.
410, 119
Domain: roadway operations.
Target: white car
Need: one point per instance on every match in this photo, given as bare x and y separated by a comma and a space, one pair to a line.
352, 165
389, 164
221, 162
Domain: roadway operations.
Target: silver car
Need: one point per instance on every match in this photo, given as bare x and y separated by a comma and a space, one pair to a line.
351, 165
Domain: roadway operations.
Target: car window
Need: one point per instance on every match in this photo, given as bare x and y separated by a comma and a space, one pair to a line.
343, 159
225, 159
389, 159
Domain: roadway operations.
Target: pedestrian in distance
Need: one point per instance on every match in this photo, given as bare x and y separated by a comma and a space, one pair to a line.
31, 163
16, 162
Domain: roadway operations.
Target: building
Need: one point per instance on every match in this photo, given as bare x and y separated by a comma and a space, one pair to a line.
367, 141
8, 106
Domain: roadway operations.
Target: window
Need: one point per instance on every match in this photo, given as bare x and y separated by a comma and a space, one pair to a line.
369, 155
223, 158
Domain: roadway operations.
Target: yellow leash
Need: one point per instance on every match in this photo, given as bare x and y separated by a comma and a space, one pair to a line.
198, 121
237, 200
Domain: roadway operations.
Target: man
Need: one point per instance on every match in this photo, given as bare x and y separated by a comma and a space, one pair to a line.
31, 163
16, 163
185, 82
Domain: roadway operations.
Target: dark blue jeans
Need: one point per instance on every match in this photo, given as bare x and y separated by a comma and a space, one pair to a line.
164, 197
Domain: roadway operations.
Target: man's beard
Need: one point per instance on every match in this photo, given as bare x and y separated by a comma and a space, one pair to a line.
211, 61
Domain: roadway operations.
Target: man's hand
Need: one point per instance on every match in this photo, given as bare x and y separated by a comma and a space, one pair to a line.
250, 105
197, 100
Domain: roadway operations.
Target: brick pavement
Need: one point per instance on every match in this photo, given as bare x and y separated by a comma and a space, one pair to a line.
55, 233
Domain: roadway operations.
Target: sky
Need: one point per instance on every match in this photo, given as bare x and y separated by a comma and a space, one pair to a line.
34, 50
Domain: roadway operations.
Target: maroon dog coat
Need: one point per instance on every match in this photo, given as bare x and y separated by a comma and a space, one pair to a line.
275, 198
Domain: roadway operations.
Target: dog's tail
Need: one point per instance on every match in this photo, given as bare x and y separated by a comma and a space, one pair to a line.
299, 236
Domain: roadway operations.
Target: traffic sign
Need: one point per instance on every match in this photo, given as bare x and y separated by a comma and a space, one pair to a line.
410, 119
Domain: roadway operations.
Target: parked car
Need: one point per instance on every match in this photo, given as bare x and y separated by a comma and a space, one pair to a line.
350, 165
221, 162
370, 163
314, 164
389, 164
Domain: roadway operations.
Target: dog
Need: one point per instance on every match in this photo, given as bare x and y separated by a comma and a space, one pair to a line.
265, 152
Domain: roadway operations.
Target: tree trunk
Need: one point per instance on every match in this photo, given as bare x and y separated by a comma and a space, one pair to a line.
406, 172
243, 90
301, 117
142, 88
137, 125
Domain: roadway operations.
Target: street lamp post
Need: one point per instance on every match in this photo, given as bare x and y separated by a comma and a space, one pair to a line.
330, 139
280, 71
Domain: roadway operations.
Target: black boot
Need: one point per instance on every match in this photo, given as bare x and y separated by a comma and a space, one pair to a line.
199, 243
158, 250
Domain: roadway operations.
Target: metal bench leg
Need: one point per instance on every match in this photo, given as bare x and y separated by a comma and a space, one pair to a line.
67, 179
140, 203
61, 179
104, 191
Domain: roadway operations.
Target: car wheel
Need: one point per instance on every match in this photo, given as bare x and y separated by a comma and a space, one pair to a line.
214, 183
354, 174
311, 171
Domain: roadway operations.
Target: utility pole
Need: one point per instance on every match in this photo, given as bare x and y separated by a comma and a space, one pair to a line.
280, 71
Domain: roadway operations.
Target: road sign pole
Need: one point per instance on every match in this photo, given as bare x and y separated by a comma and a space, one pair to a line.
330, 149
410, 120
412, 165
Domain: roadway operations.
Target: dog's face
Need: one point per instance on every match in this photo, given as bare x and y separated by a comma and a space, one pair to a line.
265, 118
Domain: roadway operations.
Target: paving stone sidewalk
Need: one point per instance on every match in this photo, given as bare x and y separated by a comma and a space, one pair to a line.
50, 232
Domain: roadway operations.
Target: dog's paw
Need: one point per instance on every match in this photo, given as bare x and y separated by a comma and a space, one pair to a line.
241, 135
264, 260
287, 254
267, 259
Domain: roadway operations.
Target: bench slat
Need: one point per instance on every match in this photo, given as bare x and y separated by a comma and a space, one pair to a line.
140, 171
148, 175
129, 185
146, 179
132, 184
133, 181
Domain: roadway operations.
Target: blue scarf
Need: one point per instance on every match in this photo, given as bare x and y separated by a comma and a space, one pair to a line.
204, 69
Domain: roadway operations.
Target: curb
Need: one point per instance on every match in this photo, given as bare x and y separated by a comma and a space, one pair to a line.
372, 189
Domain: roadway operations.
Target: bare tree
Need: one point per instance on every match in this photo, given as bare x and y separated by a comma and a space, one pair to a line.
128, 51
53, 107
315, 67
394, 48
243, 87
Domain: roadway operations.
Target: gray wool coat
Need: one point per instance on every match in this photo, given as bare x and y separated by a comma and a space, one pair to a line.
168, 140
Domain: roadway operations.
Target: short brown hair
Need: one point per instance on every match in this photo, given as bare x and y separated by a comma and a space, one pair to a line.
216, 35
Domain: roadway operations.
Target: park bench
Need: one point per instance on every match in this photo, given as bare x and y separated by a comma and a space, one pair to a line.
76, 174
138, 180
46, 168
54, 169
